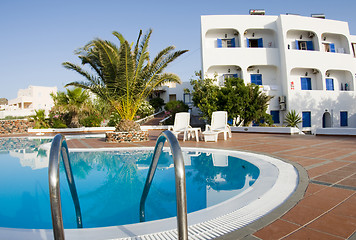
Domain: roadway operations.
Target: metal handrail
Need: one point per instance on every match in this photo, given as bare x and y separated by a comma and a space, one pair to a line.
59, 148
181, 194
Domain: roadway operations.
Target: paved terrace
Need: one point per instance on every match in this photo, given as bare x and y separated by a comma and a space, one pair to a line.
325, 210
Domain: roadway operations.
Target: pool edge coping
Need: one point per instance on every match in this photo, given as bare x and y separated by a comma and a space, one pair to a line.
247, 232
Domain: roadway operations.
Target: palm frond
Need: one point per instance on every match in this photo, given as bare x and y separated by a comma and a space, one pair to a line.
123, 75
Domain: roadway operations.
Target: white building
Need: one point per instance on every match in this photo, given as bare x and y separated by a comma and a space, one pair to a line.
308, 64
28, 100
179, 92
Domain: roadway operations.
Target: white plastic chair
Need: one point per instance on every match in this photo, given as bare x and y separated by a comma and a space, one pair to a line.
181, 125
219, 124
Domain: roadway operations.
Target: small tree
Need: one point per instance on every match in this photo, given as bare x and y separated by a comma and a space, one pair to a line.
244, 101
205, 95
292, 119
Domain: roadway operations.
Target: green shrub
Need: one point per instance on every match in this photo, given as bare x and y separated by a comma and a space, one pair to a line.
58, 119
114, 119
157, 103
144, 110
93, 120
174, 107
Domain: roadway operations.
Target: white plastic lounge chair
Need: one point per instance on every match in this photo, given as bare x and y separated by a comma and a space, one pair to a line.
219, 124
181, 125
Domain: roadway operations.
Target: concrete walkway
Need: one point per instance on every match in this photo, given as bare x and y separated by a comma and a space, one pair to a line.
326, 210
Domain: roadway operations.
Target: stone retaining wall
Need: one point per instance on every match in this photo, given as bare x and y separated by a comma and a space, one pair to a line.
15, 126
121, 137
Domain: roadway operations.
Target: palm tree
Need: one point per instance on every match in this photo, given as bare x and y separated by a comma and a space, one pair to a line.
73, 102
40, 119
123, 76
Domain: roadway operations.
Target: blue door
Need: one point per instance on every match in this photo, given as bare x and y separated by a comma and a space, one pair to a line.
275, 116
343, 119
306, 118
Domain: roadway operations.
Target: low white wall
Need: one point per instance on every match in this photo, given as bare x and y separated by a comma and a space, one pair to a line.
160, 127
336, 131
70, 130
284, 130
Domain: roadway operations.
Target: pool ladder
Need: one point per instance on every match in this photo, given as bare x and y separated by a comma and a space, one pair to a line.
181, 193
59, 148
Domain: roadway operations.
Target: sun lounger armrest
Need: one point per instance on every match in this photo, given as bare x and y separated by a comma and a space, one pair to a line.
207, 127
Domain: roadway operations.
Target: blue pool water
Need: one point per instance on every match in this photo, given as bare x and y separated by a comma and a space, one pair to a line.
110, 184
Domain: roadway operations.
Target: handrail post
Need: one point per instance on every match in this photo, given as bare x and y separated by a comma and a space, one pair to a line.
179, 169
59, 148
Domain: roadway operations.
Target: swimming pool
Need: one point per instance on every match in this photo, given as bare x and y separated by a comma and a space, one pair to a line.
214, 188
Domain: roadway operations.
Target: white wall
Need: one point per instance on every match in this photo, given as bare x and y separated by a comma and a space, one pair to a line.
280, 65
33, 98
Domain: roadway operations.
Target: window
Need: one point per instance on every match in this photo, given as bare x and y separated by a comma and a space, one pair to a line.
343, 119
304, 45
329, 47
305, 83
275, 116
256, 79
187, 98
226, 43
226, 76
329, 84
172, 97
306, 118
254, 43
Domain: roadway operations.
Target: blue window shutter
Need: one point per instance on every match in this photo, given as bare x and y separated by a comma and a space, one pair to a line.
310, 45
253, 78
309, 83
256, 79
343, 119
260, 42
306, 118
248, 43
305, 83
235, 75
329, 84
332, 47
219, 43
232, 42
296, 45
259, 79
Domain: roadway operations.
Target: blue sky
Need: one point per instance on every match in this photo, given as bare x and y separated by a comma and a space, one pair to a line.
37, 35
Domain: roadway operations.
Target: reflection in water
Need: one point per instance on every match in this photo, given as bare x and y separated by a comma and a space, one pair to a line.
110, 185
